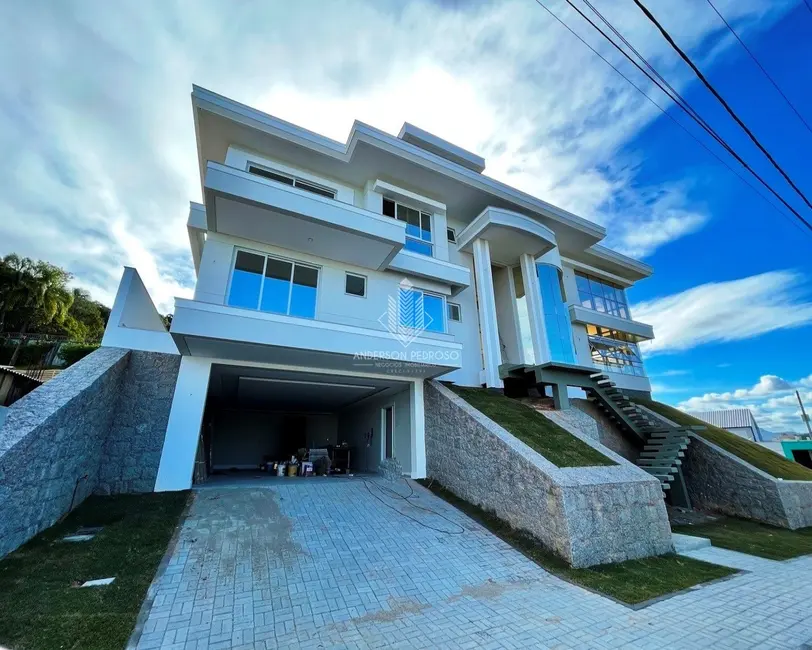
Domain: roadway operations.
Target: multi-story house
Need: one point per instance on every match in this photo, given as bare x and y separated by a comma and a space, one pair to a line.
334, 278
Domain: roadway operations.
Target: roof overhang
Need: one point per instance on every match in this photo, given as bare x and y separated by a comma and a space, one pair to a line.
374, 154
509, 234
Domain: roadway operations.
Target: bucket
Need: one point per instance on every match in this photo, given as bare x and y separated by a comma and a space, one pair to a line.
280, 469
292, 470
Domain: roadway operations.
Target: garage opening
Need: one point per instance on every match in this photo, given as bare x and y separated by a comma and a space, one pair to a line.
262, 423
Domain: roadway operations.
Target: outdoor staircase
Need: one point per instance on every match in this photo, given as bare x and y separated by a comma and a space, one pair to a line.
663, 446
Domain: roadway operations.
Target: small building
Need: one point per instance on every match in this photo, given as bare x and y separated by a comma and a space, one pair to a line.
738, 421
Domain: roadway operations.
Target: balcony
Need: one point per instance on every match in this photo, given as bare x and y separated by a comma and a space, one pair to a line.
221, 332
585, 316
252, 207
509, 234
456, 276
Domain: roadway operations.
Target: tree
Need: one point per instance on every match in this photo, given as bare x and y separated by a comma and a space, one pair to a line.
47, 299
16, 284
86, 318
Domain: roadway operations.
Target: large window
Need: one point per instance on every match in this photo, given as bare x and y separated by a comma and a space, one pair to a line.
292, 180
421, 310
602, 296
418, 226
556, 317
273, 285
614, 351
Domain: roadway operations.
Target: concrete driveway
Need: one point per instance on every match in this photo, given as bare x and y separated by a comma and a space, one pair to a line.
342, 563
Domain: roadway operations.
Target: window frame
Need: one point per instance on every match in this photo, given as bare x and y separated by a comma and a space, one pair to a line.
606, 297
429, 242
266, 256
296, 181
347, 274
451, 235
443, 311
448, 306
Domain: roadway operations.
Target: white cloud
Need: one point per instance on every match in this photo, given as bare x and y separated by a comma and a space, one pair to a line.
772, 401
95, 106
726, 311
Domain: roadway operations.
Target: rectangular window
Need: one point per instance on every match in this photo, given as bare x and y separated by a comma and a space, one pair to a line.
614, 351
355, 285
421, 310
418, 226
292, 180
452, 235
602, 296
454, 312
273, 285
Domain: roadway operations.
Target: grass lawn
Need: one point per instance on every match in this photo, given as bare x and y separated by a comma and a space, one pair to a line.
557, 445
631, 582
750, 452
753, 538
40, 610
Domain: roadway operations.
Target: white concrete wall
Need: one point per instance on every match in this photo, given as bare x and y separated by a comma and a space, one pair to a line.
240, 158
506, 316
134, 321
356, 421
467, 331
332, 303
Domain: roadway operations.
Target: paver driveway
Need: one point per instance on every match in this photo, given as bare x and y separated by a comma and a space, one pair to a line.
334, 564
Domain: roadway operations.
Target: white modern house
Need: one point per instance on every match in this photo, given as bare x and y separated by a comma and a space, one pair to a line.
333, 278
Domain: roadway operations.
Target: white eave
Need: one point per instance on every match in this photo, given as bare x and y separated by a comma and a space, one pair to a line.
581, 232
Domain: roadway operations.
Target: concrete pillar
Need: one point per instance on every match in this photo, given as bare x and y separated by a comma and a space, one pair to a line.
535, 310
418, 421
488, 329
183, 428
561, 400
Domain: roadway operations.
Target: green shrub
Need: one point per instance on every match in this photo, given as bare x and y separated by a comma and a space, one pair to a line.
73, 352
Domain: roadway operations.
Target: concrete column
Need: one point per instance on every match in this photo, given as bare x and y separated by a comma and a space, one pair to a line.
183, 428
488, 328
535, 310
561, 400
418, 421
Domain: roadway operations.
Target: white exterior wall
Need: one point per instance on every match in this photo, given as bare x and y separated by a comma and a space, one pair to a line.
356, 421
332, 303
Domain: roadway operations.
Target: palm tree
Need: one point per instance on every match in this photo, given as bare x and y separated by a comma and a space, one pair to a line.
47, 299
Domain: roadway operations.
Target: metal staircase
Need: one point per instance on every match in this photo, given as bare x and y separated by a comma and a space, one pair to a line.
662, 445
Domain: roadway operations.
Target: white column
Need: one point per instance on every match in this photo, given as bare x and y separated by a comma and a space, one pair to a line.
183, 429
488, 328
535, 310
418, 421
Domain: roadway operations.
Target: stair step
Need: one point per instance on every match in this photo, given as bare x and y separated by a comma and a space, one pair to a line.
665, 486
606, 382
659, 467
666, 463
662, 454
598, 375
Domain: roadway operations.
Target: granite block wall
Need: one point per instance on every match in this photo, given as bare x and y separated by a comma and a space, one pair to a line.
132, 450
51, 444
586, 515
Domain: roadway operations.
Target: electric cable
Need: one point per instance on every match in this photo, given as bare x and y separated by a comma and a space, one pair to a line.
721, 99
687, 109
761, 67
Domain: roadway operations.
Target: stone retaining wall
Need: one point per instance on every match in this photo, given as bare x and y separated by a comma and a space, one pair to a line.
51, 444
719, 481
132, 451
586, 515
98, 426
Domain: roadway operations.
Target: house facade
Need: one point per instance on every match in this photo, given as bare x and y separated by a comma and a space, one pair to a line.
334, 278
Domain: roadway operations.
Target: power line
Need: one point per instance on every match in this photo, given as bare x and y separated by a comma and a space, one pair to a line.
721, 99
761, 67
687, 109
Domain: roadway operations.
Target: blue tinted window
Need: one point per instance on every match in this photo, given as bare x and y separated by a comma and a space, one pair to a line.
246, 280
556, 318
433, 313
303, 295
276, 291
417, 246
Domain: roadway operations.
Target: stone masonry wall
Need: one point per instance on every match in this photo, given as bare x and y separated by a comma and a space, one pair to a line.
132, 451
51, 439
589, 418
587, 515
719, 481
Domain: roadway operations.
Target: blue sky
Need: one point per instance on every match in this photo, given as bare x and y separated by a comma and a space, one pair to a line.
95, 110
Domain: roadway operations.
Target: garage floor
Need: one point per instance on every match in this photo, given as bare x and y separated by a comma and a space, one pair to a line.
345, 564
